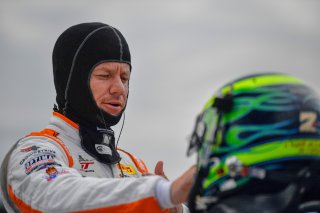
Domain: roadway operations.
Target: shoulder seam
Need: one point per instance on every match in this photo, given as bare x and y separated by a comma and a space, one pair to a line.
57, 141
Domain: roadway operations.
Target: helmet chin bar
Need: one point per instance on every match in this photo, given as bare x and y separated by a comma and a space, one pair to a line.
297, 184
283, 201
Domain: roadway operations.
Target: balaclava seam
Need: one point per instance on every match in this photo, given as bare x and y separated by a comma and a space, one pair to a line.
120, 43
73, 62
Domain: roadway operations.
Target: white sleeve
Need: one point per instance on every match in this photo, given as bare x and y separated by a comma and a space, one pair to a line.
40, 180
163, 193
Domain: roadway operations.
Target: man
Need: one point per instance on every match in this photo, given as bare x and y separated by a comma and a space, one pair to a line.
74, 165
258, 145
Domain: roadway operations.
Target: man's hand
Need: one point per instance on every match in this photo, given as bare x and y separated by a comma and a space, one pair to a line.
180, 188
158, 170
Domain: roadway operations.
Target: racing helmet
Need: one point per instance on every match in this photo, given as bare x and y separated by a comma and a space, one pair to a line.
259, 134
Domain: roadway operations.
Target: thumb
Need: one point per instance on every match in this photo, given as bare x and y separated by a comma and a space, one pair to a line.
158, 169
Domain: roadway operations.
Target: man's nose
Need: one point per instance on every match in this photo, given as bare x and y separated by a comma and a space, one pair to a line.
117, 87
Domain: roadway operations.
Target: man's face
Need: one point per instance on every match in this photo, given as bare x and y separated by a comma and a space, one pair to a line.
109, 84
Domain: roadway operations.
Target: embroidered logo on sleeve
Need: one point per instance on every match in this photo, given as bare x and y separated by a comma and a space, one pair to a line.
35, 163
30, 148
52, 173
38, 159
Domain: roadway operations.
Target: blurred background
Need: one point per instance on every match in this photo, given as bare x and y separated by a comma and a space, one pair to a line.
182, 52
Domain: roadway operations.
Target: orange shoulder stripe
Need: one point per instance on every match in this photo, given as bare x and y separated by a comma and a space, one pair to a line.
51, 134
145, 205
20, 204
138, 162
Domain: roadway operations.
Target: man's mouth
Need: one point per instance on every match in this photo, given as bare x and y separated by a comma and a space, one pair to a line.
112, 107
114, 103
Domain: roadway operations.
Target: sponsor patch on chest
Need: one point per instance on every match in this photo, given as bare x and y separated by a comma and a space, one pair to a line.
86, 165
128, 169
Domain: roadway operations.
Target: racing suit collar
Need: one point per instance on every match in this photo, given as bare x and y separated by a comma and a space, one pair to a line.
62, 124
98, 142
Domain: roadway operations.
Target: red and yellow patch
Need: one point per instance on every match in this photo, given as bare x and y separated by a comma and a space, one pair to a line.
127, 169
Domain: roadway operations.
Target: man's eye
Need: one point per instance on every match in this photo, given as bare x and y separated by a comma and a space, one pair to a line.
124, 79
103, 76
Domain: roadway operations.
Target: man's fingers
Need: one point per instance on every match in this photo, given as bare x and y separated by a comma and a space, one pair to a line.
158, 169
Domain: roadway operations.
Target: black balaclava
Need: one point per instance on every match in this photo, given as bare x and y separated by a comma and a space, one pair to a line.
77, 51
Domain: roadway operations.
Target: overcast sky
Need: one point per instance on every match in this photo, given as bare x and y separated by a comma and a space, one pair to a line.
182, 52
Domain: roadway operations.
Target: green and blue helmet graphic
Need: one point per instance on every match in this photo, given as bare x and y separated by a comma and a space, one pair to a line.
251, 126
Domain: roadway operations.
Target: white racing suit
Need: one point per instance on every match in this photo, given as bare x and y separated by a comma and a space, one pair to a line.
48, 171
